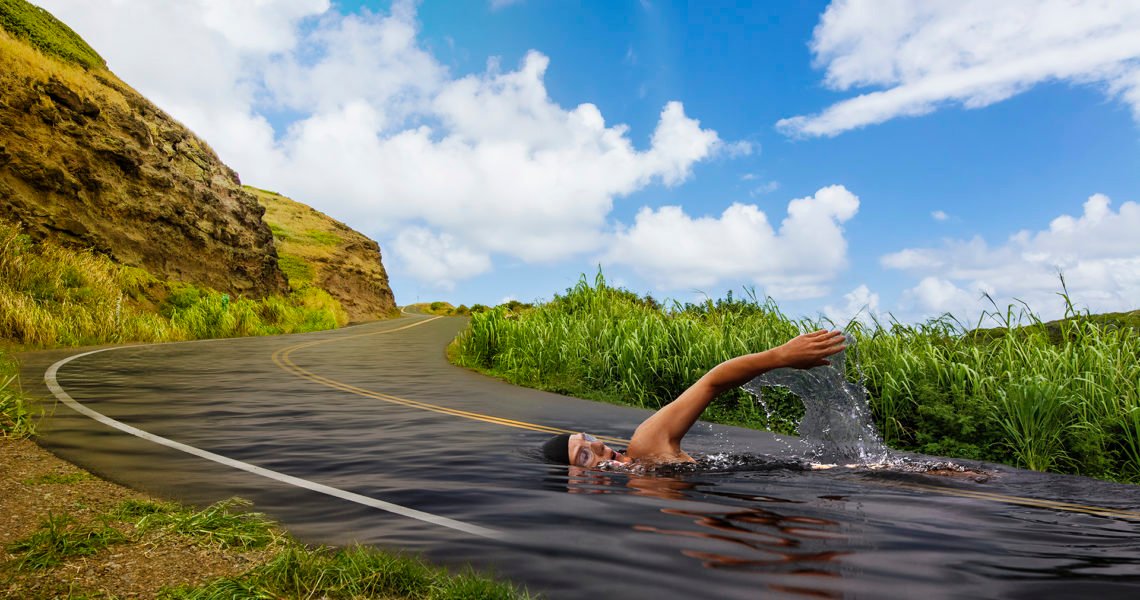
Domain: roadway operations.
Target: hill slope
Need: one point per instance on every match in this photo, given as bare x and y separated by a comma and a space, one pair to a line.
315, 249
88, 162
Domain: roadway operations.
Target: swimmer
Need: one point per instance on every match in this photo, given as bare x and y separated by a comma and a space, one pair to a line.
658, 439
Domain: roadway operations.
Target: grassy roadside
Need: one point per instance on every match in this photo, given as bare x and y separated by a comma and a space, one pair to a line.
69, 534
1061, 397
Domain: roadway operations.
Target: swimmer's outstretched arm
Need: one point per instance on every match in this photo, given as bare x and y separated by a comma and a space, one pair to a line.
660, 435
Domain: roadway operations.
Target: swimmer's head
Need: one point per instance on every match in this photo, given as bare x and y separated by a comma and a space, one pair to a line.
579, 450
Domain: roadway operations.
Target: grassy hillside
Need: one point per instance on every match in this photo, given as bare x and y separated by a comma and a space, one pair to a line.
46, 33
87, 162
314, 249
56, 296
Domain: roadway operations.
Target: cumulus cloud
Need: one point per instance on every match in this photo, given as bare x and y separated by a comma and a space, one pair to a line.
351, 114
1098, 252
937, 296
797, 260
860, 303
971, 53
939, 215
439, 257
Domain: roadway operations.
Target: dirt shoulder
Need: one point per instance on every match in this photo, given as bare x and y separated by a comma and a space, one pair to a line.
35, 485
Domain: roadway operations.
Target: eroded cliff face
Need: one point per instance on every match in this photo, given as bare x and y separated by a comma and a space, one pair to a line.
316, 249
87, 161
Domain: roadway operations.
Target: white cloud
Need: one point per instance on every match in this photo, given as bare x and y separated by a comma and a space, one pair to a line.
860, 303
935, 296
380, 135
971, 53
796, 261
939, 215
438, 258
1098, 252
765, 188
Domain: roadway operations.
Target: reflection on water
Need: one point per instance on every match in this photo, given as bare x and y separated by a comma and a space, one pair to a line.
742, 532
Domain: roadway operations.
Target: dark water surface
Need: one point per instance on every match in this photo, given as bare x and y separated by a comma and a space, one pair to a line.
760, 528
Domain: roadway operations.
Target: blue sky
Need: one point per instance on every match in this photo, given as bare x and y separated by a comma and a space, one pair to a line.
468, 139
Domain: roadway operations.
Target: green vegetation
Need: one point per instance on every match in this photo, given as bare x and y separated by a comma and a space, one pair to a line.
296, 269
315, 250
59, 538
349, 573
54, 296
306, 240
217, 524
446, 309
324, 238
294, 571
1062, 396
49, 35
16, 418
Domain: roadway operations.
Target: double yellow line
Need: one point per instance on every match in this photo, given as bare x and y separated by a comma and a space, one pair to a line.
282, 359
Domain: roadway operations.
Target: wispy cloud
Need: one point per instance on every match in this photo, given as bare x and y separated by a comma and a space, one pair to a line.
766, 187
970, 53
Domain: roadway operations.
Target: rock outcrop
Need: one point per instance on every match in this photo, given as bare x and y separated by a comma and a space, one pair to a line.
87, 161
315, 249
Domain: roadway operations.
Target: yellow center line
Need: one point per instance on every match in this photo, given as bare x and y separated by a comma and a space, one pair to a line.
282, 359
1023, 501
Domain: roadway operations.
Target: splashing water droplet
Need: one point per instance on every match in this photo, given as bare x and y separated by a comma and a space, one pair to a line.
837, 423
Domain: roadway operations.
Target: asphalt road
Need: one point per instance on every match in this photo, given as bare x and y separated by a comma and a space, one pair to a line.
368, 435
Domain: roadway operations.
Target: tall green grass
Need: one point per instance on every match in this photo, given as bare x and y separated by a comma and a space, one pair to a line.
1061, 396
17, 419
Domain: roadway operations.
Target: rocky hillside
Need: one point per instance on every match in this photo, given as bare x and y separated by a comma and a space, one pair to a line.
315, 249
88, 162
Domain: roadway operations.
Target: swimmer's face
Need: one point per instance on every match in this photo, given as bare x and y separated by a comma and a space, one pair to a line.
587, 451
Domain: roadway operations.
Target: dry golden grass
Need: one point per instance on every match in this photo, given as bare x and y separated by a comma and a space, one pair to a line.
299, 230
23, 65
310, 243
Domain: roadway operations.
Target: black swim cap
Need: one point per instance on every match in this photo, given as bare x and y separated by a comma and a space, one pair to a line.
557, 449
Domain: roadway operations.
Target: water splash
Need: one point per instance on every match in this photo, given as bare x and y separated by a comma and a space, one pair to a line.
837, 423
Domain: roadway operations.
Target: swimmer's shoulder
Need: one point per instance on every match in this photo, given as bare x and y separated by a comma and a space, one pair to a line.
661, 458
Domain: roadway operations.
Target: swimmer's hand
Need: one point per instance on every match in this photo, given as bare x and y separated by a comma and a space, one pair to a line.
810, 349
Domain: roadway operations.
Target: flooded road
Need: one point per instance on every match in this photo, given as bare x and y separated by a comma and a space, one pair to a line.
368, 435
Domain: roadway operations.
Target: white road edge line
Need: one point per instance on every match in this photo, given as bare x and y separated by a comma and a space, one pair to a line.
57, 390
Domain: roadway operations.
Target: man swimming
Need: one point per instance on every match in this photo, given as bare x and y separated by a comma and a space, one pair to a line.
658, 438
